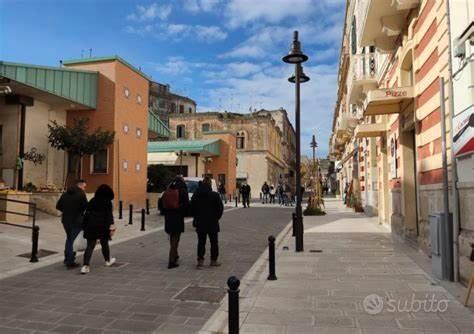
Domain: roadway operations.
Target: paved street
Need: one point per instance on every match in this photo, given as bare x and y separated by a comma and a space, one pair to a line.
140, 294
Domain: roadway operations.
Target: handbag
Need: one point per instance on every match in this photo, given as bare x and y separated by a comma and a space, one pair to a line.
80, 243
112, 230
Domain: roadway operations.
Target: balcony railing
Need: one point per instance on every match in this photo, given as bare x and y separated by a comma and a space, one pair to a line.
364, 67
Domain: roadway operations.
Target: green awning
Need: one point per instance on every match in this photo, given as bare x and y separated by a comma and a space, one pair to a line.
74, 85
209, 147
157, 126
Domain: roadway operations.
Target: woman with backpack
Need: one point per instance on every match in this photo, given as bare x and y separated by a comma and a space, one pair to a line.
99, 225
174, 204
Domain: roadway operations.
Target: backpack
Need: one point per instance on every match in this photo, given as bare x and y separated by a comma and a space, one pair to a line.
171, 199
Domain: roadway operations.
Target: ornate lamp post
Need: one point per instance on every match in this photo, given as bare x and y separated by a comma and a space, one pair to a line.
296, 57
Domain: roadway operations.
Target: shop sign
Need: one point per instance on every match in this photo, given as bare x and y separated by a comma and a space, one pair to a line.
463, 140
396, 93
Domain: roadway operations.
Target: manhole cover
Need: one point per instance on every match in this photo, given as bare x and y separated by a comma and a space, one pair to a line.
201, 294
119, 264
41, 253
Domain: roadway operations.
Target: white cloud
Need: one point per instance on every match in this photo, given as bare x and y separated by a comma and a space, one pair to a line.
196, 6
179, 65
149, 13
207, 34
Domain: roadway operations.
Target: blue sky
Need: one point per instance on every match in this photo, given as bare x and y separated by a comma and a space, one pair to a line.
226, 55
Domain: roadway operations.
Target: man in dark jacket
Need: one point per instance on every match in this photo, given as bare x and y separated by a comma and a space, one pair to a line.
72, 204
174, 215
207, 209
245, 191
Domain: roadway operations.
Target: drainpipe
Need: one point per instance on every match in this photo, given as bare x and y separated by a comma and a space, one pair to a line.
454, 170
21, 152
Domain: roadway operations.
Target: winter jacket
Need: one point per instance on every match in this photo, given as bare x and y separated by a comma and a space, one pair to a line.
245, 190
207, 209
72, 204
174, 218
98, 219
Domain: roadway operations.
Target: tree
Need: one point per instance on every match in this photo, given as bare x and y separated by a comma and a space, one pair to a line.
78, 140
159, 177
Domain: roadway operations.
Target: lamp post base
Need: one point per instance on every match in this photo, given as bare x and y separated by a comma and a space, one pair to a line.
299, 233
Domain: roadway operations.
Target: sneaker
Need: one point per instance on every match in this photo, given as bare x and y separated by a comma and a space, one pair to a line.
215, 264
85, 270
110, 262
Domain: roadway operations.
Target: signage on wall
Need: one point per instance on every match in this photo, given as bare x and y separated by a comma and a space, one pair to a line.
393, 158
463, 140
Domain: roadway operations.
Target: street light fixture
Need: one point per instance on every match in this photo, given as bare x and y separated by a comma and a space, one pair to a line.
296, 57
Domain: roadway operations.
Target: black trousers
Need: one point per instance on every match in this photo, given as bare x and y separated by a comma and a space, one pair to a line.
90, 249
174, 243
202, 237
246, 200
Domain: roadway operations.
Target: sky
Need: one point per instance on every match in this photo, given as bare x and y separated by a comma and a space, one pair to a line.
226, 55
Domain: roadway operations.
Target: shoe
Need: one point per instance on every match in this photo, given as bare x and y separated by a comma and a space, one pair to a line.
72, 265
200, 263
173, 265
85, 270
110, 262
215, 264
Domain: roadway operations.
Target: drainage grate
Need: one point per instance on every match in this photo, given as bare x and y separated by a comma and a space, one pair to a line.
201, 294
41, 253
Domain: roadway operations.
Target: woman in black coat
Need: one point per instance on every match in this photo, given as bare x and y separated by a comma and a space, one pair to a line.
207, 209
98, 224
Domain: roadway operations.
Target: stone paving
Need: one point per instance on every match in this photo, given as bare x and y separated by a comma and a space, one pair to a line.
325, 292
139, 295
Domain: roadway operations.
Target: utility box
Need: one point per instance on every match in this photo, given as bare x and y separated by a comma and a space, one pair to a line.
441, 236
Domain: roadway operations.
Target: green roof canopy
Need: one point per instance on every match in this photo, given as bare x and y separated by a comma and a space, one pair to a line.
74, 85
157, 126
209, 147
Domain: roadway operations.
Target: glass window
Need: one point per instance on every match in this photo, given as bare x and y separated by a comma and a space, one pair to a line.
206, 127
125, 165
180, 131
240, 140
99, 162
139, 99
126, 92
138, 166
126, 128
139, 133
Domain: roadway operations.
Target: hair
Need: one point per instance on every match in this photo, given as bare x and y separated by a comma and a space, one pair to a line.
207, 181
104, 192
79, 181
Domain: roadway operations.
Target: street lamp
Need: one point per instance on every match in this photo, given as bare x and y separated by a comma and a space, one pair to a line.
296, 57
313, 145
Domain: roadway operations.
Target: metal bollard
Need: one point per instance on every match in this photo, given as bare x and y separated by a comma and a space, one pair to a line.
130, 214
271, 258
143, 220
236, 204
34, 246
147, 206
293, 217
120, 209
233, 295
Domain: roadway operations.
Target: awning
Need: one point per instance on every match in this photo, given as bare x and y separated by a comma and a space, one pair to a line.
209, 147
162, 158
387, 101
370, 130
156, 127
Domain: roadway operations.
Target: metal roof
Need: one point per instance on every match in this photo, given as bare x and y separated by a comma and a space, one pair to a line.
157, 126
210, 147
73, 85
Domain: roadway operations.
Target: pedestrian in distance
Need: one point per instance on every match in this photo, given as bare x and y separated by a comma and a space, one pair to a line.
222, 192
245, 192
99, 225
207, 209
174, 204
265, 192
72, 205
272, 194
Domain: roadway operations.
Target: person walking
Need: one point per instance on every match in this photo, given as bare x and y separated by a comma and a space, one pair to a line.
99, 225
265, 191
72, 205
222, 192
272, 194
207, 209
174, 204
245, 191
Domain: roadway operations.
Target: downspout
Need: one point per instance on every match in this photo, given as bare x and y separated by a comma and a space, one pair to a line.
21, 152
454, 170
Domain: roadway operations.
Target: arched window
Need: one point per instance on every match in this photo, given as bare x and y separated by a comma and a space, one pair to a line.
181, 131
240, 140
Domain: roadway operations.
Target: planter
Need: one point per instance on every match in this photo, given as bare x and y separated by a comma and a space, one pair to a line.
14, 207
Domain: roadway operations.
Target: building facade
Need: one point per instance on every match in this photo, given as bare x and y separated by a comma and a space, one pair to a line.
265, 152
388, 127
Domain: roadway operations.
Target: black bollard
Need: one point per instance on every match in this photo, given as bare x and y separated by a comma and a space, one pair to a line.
147, 206
271, 258
233, 295
130, 214
143, 220
34, 246
293, 217
120, 209
236, 204
472, 252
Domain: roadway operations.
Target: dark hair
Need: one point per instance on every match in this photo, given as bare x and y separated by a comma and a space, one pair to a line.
104, 192
207, 181
80, 181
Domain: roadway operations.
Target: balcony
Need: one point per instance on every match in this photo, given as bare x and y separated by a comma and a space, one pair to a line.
370, 130
381, 21
363, 75
389, 101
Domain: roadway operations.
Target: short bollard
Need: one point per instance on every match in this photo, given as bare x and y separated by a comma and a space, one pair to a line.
271, 258
233, 295
120, 209
130, 214
236, 204
293, 217
34, 246
147, 206
143, 220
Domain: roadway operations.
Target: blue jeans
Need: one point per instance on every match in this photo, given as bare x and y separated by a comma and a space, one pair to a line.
72, 231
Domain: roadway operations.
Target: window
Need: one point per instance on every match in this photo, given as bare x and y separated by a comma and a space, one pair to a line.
125, 165
99, 162
206, 127
240, 140
190, 110
139, 133
173, 107
180, 131
139, 99
126, 92
138, 167
125, 128
181, 109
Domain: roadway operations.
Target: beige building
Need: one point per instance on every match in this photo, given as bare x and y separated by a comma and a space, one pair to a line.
388, 126
265, 142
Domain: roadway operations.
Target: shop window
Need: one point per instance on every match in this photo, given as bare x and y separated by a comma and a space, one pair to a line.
139, 99
99, 162
206, 127
240, 140
139, 133
126, 92
181, 109
180, 131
